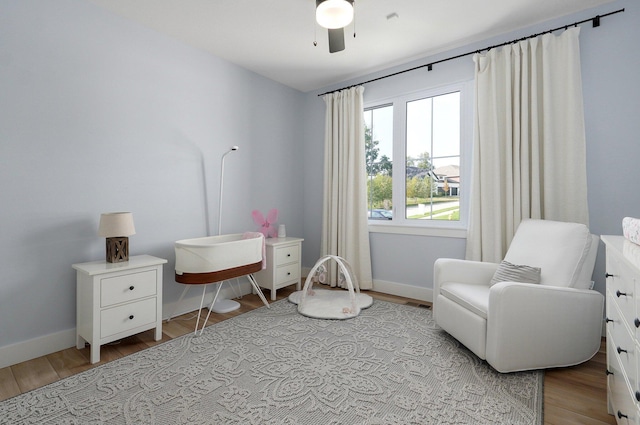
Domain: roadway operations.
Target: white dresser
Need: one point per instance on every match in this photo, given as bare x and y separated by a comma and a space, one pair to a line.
623, 329
283, 264
116, 300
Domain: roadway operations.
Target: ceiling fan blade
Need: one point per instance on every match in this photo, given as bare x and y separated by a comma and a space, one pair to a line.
336, 40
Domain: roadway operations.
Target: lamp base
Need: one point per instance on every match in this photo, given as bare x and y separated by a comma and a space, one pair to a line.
225, 306
117, 249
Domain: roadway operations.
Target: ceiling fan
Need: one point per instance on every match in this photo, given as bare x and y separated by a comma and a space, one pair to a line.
334, 15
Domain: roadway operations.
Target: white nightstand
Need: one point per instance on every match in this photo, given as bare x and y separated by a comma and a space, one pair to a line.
283, 264
116, 300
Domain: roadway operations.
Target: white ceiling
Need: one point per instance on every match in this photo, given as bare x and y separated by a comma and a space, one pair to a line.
275, 38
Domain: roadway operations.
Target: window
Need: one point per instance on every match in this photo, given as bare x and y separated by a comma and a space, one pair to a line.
429, 132
378, 137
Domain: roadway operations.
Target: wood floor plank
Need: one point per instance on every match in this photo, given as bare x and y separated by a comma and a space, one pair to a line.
8, 385
129, 345
69, 362
175, 328
149, 337
559, 392
554, 415
396, 299
34, 374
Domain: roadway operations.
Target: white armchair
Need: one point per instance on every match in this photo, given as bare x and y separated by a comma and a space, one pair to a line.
520, 326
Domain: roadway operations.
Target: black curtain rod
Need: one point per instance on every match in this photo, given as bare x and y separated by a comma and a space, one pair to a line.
429, 66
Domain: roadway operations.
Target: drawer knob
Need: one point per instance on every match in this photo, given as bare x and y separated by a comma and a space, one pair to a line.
621, 350
620, 294
131, 288
288, 273
608, 372
131, 318
606, 275
288, 255
622, 415
636, 322
607, 320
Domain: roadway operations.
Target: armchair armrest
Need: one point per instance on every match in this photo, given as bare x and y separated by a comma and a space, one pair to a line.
461, 271
531, 326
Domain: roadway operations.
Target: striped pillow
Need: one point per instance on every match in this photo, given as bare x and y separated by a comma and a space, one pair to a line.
508, 272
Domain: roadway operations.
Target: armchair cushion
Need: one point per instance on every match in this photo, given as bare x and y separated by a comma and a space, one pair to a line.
508, 272
474, 298
571, 242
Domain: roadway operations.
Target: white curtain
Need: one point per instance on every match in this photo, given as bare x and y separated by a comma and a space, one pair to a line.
344, 219
529, 157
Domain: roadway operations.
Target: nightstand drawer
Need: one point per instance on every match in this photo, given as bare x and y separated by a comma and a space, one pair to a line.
129, 287
287, 254
128, 316
283, 264
290, 273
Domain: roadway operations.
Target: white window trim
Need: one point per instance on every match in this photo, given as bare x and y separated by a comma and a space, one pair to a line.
439, 228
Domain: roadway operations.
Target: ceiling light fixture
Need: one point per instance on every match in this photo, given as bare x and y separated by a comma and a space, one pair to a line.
334, 14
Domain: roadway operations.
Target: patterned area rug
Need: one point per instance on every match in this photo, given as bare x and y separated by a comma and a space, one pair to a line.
390, 365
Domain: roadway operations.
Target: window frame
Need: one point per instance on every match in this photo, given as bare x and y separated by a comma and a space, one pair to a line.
399, 224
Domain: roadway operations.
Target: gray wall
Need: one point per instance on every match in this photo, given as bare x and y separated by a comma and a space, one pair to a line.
610, 63
99, 114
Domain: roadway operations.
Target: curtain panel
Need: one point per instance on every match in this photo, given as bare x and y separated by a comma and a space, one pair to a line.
344, 219
529, 154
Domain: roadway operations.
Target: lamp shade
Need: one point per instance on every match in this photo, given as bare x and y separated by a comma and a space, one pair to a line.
334, 14
116, 224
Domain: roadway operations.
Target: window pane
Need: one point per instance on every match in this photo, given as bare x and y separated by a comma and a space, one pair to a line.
379, 158
446, 125
433, 158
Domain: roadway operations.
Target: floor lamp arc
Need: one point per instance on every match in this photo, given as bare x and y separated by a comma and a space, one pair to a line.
223, 305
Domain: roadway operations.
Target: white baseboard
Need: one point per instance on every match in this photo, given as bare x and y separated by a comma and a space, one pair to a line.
47, 344
403, 290
36, 347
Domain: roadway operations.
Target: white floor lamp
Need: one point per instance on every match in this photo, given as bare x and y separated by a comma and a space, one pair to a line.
222, 305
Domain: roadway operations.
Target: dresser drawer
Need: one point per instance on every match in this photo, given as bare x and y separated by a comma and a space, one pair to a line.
287, 254
287, 274
129, 287
126, 317
615, 321
619, 391
626, 350
621, 287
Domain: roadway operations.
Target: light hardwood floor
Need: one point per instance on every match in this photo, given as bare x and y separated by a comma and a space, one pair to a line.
574, 395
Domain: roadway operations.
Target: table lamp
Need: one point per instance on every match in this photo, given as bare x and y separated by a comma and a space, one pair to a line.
117, 227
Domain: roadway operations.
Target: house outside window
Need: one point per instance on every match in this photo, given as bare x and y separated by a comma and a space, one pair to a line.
428, 187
